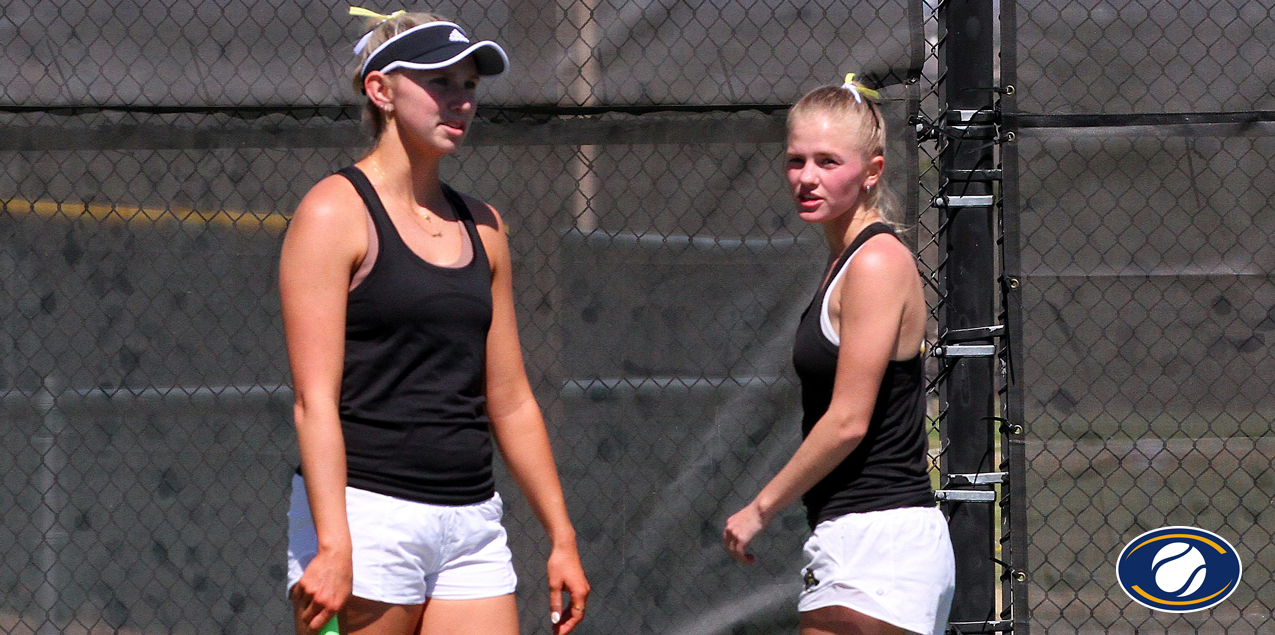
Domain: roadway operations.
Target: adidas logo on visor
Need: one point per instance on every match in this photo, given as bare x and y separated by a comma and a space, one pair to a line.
457, 36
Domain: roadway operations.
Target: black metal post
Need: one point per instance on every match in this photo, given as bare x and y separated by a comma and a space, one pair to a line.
969, 248
1013, 440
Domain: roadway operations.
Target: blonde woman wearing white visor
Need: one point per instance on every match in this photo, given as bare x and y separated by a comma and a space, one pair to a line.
399, 316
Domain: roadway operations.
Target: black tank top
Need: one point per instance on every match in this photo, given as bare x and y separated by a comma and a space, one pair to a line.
888, 468
413, 396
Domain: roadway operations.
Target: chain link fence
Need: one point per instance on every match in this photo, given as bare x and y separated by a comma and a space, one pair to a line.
1144, 195
286, 53
152, 153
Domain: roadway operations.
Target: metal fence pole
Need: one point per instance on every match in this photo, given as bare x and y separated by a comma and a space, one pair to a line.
1014, 452
969, 245
52, 501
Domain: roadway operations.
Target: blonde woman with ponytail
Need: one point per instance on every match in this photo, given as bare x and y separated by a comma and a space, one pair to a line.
879, 560
399, 316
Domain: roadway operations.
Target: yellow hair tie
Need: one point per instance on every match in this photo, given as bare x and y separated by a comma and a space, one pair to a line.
856, 90
360, 12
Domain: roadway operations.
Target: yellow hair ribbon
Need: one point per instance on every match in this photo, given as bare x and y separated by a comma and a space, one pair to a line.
360, 12
364, 13
857, 89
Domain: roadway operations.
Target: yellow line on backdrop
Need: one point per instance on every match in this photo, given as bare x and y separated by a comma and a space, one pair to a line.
72, 211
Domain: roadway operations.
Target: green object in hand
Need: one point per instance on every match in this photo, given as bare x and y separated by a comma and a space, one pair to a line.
330, 628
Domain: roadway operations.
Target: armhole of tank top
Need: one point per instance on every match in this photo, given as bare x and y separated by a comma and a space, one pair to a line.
358, 181
825, 319
373, 250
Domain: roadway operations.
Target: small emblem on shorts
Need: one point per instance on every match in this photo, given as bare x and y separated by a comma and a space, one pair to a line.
809, 578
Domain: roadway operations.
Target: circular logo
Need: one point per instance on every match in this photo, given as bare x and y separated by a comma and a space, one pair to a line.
1178, 569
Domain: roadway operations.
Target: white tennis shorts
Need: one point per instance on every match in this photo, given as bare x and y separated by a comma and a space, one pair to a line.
407, 552
895, 565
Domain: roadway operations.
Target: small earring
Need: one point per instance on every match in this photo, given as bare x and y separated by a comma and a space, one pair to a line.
388, 108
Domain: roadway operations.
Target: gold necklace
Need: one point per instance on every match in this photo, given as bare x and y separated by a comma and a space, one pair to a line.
430, 219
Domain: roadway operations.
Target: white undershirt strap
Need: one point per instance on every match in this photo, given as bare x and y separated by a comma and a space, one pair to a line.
825, 318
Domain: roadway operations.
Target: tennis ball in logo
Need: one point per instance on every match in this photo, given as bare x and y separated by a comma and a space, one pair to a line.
1178, 568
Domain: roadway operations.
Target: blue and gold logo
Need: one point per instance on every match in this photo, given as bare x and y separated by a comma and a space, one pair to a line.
1178, 569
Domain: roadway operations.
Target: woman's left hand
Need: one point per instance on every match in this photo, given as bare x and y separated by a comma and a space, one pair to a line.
740, 530
566, 574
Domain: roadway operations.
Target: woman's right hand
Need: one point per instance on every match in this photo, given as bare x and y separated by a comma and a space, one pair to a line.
323, 589
566, 574
325, 243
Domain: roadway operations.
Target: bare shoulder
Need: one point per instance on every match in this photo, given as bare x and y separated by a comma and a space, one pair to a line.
329, 223
331, 201
884, 257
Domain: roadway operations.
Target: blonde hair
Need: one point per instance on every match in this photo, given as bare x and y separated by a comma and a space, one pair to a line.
381, 31
866, 125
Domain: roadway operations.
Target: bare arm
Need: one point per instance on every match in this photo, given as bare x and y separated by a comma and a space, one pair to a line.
519, 430
874, 293
325, 241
